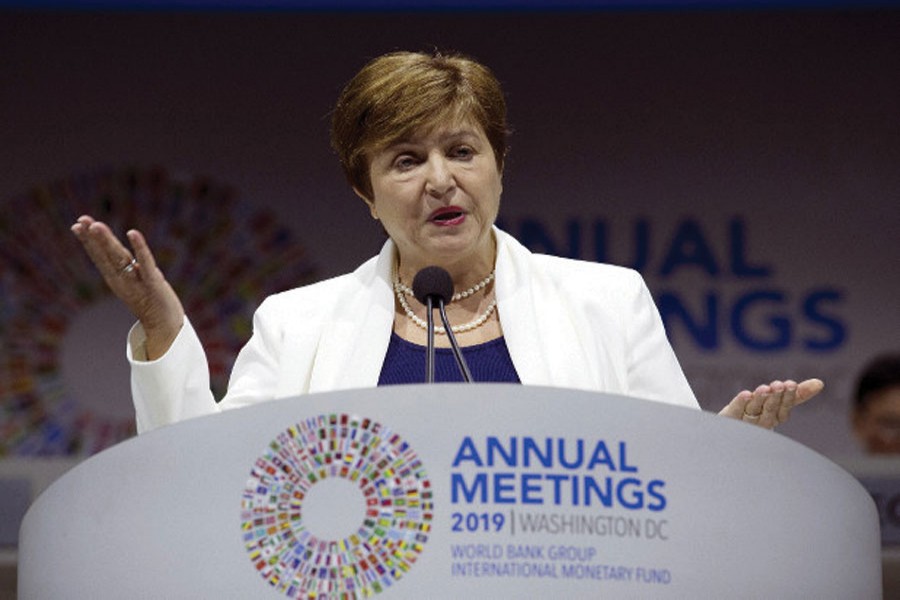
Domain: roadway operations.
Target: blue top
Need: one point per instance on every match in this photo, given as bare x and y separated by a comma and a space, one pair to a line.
488, 362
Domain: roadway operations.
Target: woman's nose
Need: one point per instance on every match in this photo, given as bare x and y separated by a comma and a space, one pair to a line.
439, 176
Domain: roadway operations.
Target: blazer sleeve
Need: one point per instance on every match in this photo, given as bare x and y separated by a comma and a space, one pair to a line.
653, 370
173, 387
176, 386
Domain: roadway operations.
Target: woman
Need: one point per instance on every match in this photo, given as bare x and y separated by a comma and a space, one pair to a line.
422, 140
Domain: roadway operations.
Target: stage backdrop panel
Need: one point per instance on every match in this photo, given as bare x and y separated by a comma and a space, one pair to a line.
744, 161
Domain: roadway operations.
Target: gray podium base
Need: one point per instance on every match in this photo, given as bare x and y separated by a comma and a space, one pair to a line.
451, 491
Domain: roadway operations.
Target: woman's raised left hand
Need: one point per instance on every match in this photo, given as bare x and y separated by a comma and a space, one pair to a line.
770, 405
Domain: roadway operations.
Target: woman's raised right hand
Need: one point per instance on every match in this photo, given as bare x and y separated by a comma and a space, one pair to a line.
136, 280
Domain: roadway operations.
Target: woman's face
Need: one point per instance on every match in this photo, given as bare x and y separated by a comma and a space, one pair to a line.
437, 195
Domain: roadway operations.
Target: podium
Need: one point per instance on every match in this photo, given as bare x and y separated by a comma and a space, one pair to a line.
450, 491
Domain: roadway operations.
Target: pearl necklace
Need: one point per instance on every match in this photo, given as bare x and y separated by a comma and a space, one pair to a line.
399, 285
402, 291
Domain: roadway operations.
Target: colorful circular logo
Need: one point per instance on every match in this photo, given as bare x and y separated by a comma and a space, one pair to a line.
339, 506
63, 376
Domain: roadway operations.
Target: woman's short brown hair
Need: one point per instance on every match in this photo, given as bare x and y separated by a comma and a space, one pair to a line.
397, 94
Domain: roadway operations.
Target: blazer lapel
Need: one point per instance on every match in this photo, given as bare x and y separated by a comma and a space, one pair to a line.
354, 342
540, 334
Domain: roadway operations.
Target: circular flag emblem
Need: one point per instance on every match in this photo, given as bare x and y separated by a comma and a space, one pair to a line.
339, 506
63, 378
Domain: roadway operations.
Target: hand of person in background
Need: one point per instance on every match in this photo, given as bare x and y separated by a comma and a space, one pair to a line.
136, 280
771, 405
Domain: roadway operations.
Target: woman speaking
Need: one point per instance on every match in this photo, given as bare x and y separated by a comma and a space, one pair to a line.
422, 141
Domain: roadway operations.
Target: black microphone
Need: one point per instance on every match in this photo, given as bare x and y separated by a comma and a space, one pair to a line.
435, 284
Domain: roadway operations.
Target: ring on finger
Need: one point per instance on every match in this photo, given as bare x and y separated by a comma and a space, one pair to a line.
751, 417
129, 267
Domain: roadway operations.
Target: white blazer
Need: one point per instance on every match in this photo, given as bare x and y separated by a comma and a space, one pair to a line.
567, 323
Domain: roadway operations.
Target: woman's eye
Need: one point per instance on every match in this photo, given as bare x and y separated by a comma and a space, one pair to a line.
463, 152
404, 162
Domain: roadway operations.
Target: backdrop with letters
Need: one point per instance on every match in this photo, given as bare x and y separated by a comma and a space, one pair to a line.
746, 162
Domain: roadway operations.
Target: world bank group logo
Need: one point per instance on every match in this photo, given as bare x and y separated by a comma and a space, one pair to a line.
339, 506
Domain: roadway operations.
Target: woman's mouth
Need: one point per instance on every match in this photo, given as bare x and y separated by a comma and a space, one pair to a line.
447, 216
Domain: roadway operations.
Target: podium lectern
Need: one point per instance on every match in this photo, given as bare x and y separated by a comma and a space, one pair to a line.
454, 491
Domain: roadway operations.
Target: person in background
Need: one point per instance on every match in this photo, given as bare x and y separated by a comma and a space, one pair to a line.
422, 139
876, 406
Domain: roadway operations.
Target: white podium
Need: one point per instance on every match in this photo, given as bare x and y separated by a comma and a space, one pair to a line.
454, 491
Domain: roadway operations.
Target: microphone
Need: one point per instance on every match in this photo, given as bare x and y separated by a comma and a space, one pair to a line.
435, 284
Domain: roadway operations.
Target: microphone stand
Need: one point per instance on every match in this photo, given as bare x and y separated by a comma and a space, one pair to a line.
429, 352
457, 353
430, 284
